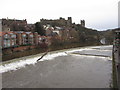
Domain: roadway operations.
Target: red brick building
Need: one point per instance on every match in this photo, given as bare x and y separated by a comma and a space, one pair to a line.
8, 39
20, 38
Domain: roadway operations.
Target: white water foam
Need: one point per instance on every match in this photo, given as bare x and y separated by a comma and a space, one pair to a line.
18, 64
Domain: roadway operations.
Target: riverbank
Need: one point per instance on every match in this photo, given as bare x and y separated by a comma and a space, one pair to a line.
37, 50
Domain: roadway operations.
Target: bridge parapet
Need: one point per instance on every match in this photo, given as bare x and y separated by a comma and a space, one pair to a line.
116, 54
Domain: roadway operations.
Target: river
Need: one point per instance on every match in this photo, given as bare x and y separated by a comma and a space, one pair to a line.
87, 67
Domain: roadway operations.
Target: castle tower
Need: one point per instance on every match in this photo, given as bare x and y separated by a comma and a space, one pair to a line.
69, 21
83, 23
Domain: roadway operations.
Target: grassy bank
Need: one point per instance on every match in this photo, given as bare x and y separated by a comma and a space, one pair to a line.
37, 50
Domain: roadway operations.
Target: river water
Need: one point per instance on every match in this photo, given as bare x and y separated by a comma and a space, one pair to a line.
89, 67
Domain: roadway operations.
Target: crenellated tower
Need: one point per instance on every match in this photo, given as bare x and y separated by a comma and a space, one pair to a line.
82, 23
69, 21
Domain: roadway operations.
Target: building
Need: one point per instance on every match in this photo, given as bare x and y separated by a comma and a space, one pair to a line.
30, 38
57, 22
48, 29
8, 39
30, 28
27, 38
61, 22
13, 25
20, 38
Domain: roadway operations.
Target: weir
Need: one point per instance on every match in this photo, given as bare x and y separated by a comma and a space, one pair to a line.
60, 69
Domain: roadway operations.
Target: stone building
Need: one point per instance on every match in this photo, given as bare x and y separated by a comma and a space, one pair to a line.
57, 22
13, 25
16, 25
61, 22
30, 28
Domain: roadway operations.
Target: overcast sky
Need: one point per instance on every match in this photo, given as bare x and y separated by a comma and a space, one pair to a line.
98, 14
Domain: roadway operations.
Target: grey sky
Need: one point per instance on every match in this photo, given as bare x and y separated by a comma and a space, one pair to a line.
98, 14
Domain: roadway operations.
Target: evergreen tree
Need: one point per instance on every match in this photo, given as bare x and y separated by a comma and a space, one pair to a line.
39, 28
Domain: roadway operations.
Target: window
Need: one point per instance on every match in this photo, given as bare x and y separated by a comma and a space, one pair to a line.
8, 43
5, 43
13, 42
13, 36
6, 36
24, 35
31, 35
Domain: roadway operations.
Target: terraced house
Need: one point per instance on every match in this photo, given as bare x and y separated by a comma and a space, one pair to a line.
20, 38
